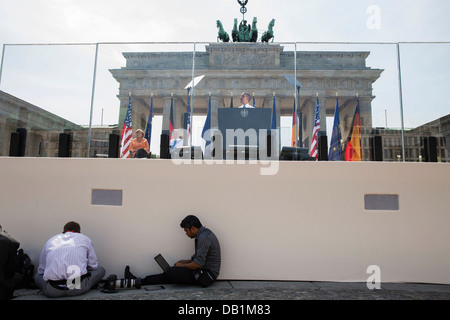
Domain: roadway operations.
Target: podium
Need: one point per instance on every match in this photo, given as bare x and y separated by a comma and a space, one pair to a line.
244, 132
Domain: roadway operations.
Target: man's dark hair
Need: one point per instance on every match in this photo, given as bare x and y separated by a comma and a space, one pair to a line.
191, 221
72, 226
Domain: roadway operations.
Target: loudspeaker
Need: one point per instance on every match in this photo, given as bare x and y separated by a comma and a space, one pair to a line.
164, 145
14, 144
323, 148
295, 154
113, 147
18, 143
423, 150
432, 149
65, 145
377, 148
22, 141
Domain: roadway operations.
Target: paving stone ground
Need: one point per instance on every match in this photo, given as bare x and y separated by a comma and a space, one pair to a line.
264, 290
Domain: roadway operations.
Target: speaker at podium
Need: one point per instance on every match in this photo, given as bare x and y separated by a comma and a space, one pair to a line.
241, 128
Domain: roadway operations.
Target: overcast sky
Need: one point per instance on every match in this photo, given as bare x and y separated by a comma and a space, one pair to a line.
426, 68
41, 21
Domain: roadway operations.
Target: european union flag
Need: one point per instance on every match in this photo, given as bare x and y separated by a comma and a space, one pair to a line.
273, 126
148, 129
334, 153
206, 132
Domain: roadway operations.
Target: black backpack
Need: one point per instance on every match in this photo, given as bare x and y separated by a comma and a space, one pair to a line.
24, 271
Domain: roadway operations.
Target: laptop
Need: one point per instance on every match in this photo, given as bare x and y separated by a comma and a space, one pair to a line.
162, 262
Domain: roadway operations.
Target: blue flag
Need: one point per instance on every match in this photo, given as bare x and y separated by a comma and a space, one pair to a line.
273, 126
206, 132
334, 154
148, 129
188, 118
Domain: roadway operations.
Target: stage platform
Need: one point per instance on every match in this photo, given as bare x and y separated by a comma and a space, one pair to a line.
276, 221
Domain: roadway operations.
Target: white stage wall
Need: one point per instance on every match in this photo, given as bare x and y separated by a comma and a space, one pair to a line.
306, 222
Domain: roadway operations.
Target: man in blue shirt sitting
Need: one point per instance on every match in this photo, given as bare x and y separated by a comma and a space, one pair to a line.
204, 266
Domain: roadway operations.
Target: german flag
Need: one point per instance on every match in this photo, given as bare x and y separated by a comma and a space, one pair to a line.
353, 149
294, 136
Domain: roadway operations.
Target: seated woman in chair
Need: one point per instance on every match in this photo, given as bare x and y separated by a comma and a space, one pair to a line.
139, 145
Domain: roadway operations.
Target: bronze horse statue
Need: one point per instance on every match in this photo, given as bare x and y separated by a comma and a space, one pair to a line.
269, 33
235, 32
254, 31
223, 35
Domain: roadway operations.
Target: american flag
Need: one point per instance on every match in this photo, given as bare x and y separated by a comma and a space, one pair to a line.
127, 133
314, 142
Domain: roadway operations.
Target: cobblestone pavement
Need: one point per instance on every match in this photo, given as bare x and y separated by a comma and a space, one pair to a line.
265, 290
280, 294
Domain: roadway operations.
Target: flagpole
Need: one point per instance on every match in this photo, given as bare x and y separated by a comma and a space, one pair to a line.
92, 101
231, 102
191, 116
1, 63
401, 100
148, 129
296, 96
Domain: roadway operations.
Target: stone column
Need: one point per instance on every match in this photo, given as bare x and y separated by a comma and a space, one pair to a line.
215, 104
365, 107
166, 112
123, 111
322, 113
308, 112
5, 137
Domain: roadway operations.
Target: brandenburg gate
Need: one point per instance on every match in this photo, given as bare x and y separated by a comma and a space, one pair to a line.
231, 68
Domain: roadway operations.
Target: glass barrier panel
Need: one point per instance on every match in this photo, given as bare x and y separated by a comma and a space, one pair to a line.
426, 100
45, 96
348, 76
48, 94
151, 77
234, 74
